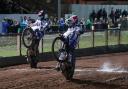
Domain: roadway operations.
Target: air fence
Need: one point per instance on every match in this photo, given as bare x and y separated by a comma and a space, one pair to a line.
11, 44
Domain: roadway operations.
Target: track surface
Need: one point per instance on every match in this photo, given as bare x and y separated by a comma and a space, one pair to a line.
89, 74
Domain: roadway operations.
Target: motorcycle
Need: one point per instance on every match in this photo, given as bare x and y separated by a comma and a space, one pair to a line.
29, 41
61, 52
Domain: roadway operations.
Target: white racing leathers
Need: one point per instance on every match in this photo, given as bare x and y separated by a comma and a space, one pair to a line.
39, 28
72, 34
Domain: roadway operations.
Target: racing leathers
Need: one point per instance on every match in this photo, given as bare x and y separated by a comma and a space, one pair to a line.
71, 37
38, 27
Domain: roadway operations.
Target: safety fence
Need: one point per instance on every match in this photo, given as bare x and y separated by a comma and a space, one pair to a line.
11, 44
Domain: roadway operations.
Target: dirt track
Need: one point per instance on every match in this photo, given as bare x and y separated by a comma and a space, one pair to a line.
90, 73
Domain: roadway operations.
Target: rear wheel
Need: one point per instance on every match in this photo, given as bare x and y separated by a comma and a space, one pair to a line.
28, 37
67, 70
32, 58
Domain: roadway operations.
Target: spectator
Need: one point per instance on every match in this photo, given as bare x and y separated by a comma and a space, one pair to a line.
5, 26
30, 20
124, 13
55, 21
104, 15
93, 15
117, 14
88, 24
99, 14
61, 24
82, 23
23, 23
112, 16
16, 26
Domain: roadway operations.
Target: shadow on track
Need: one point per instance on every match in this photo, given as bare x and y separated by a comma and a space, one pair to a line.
45, 67
97, 83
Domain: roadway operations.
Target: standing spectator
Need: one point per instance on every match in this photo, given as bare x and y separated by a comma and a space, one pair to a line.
124, 13
88, 24
61, 24
93, 15
99, 14
55, 20
15, 26
82, 23
48, 27
112, 16
23, 23
30, 21
5, 26
104, 15
117, 14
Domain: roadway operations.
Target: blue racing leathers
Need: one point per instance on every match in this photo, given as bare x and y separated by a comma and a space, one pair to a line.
72, 37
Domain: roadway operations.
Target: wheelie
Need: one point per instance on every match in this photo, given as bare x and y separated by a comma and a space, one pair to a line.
64, 45
31, 37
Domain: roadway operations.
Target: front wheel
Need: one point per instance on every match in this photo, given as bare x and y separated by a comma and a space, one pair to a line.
28, 37
58, 46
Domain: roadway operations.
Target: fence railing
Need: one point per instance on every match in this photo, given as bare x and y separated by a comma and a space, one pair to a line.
11, 44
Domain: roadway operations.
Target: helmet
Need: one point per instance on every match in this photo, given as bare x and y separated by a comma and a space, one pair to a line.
72, 20
41, 13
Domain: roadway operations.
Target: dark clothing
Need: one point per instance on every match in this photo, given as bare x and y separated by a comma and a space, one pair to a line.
5, 26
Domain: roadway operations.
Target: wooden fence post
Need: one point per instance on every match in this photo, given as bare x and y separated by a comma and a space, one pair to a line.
93, 37
106, 33
41, 46
119, 34
19, 44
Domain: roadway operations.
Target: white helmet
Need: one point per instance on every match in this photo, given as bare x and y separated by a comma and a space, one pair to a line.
41, 13
72, 20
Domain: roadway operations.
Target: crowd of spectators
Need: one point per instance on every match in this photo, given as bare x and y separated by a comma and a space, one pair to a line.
12, 25
99, 19
17, 26
102, 14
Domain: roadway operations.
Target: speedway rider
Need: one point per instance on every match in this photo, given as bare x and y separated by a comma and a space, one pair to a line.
72, 36
39, 26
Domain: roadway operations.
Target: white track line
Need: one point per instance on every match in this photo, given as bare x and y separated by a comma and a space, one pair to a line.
76, 70
83, 70
29, 70
114, 71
